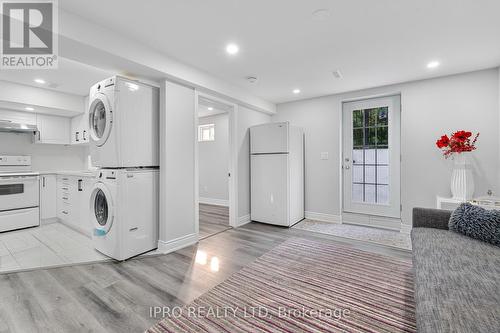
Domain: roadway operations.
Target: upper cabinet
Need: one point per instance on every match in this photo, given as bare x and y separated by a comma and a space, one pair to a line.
53, 129
80, 127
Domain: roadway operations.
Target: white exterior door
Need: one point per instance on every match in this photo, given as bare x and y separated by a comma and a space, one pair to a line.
371, 157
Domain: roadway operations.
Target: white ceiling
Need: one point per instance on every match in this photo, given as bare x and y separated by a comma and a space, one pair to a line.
371, 42
70, 77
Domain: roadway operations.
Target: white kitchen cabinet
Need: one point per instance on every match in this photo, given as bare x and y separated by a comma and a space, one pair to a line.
48, 197
73, 195
80, 127
52, 129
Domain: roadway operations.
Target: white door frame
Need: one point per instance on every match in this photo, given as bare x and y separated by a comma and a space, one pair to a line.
233, 160
343, 153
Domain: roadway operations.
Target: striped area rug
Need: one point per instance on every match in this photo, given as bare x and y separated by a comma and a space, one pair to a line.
306, 286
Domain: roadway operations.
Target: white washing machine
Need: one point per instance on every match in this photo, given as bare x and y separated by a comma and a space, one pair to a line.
124, 124
124, 211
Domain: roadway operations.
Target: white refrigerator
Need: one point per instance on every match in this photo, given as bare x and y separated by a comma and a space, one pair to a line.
277, 174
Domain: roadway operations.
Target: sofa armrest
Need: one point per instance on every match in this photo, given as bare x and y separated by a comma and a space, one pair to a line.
431, 218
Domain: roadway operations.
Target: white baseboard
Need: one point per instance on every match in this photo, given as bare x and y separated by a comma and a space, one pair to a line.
49, 221
177, 244
216, 202
406, 228
323, 217
242, 220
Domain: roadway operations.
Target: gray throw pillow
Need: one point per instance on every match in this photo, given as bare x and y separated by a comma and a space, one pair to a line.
476, 222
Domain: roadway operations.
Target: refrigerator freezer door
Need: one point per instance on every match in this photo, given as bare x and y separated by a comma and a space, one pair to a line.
269, 189
269, 138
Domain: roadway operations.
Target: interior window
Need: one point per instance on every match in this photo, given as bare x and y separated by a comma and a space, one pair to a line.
206, 132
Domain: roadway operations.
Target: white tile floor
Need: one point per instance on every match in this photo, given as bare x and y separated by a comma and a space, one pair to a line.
45, 246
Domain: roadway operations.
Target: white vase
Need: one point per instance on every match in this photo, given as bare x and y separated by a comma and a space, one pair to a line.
462, 179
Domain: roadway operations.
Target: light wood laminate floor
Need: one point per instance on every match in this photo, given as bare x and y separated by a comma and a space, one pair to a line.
116, 297
213, 220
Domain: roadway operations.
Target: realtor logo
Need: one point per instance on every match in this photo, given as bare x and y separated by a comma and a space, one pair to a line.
29, 34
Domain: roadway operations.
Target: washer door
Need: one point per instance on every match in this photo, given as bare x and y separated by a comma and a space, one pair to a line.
102, 210
100, 119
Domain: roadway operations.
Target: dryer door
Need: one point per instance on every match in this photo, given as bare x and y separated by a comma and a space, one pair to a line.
102, 209
100, 119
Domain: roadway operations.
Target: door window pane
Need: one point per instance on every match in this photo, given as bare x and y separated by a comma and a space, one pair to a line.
357, 137
370, 196
382, 156
357, 156
382, 136
370, 156
357, 192
357, 174
370, 174
357, 119
383, 114
382, 175
371, 117
370, 136
383, 194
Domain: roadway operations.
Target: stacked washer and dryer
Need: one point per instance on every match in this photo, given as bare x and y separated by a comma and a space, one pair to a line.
124, 144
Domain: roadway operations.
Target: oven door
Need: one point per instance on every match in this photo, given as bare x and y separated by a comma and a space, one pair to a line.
19, 192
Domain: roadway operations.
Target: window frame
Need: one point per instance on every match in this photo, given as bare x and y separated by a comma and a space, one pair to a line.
211, 132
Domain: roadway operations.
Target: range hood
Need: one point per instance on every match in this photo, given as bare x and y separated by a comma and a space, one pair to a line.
10, 126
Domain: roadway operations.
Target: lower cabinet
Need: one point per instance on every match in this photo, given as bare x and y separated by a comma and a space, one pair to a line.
73, 195
48, 195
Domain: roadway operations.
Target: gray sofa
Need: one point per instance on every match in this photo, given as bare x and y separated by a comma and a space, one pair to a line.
457, 278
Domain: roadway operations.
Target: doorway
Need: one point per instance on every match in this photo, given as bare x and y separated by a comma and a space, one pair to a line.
215, 130
371, 159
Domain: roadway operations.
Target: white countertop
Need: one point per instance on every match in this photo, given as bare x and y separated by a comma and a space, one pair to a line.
77, 173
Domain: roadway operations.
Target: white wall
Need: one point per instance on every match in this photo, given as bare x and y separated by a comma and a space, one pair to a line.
213, 161
43, 100
44, 157
246, 119
429, 109
177, 167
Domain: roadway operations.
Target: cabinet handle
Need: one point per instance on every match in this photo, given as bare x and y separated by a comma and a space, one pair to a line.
80, 189
64, 198
77, 136
84, 135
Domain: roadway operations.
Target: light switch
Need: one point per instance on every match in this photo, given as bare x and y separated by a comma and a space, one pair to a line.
324, 155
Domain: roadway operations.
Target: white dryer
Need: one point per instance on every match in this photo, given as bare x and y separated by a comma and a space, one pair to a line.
124, 211
124, 124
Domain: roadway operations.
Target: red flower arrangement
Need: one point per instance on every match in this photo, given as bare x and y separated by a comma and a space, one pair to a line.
459, 142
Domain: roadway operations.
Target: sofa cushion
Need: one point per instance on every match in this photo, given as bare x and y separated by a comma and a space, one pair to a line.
457, 286
476, 222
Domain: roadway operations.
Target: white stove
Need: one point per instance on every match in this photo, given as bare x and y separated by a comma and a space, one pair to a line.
19, 193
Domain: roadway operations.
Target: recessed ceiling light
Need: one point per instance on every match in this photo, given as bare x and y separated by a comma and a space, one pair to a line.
232, 49
321, 14
433, 64
210, 108
40, 81
29, 108
296, 91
